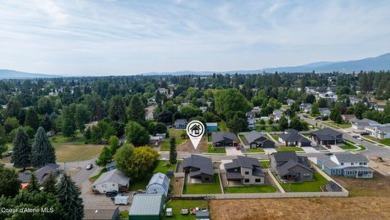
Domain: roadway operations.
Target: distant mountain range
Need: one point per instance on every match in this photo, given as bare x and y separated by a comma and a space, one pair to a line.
381, 62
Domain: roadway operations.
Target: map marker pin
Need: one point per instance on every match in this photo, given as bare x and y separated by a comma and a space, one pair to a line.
195, 130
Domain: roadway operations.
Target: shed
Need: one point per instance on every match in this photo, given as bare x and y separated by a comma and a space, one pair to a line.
146, 207
95, 214
212, 126
158, 184
113, 180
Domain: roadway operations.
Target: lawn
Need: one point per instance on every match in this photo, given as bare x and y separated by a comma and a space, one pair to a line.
308, 186
264, 163
139, 184
165, 146
258, 150
177, 205
77, 140
69, 152
211, 188
275, 137
385, 142
94, 178
222, 126
335, 125
163, 166
211, 149
251, 189
348, 146
298, 149
124, 215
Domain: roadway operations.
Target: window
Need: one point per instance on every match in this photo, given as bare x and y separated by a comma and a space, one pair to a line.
113, 184
246, 172
365, 163
342, 164
258, 180
352, 164
246, 180
306, 174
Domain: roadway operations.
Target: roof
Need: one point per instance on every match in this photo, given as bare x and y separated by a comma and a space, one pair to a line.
365, 122
240, 161
204, 164
326, 134
254, 136
234, 175
47, 169
93, 214
358, 169
291, 130
25, 176
146, 204
350, 158
220, 136
113, 176
326, 161
334, 187
211, 124
285, 168
181, 121
284, 156
159, 179
112, 164
293, 137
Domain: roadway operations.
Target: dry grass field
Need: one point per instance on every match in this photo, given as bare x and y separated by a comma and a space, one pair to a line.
68, 152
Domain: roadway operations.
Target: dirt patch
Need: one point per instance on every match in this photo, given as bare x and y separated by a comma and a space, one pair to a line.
301, 208
186, 146
379, 186
73, 171
177, 184
381, 165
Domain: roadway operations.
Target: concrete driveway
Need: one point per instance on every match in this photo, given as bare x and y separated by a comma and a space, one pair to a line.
232, 151
269, 150
310, 150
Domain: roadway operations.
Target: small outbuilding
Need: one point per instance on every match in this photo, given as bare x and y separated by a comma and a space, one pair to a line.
95, 214
158, 184
146, 207
113, 180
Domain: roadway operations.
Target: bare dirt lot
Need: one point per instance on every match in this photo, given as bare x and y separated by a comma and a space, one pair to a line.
381, 165
302, 208
186, 146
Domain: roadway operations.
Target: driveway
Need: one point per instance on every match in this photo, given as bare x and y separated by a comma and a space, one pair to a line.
232, 151
269, 150
310, 150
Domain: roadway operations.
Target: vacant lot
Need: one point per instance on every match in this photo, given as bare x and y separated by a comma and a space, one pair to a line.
69, 152
301, 208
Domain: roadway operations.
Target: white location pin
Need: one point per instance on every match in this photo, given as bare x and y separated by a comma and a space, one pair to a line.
195, 130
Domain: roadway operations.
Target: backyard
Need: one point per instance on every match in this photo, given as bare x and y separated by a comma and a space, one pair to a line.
251, 189
163, 166
211, 149
207, 188
172, 133
298, 149
264, 163
307, 186
177, 205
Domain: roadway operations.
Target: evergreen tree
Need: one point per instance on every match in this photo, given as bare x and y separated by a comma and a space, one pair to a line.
283, 123
82, 116
69, 196
32, 119
22, 150
117, 109
315, 110
42, 152
46, 122
172, 151
105, 157
88, 134
9, 182
50, 184
68, 123
136, 110
33, 185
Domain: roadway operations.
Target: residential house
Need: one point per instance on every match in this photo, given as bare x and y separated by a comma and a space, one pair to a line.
211, 126
199, 168
354, 100
291, 167
250, 114
345, 164
290, 102
224, 138
277, 114
163, 91
327, 136
155, 140
183, 105
256, 109
256, 139
203, 108
362, 124
382, 131
305, 107
292, 137
158, 184
180, 123
113, 180
251, 123
111, 166
102, 214
147, 206
324, 112
349, 118
380, 108
43, 172
246, 170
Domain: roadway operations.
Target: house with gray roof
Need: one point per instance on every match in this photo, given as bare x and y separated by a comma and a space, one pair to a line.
305, 107
382, 131
224, 138
362, 124
180, 123
291, 167
147, 206
290, 102
324, 112
199, 167
103, 214
327, 136
43, 172
256, 139
158, 184
345, 164
292, 137
113, 180
246, 170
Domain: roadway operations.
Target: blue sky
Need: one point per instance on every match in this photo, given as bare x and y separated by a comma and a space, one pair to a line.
125, 37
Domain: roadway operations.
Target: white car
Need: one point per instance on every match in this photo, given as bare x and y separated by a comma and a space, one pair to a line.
89, 166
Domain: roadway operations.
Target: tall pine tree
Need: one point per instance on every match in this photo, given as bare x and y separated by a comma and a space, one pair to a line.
42, 151
136, 110
32, 119
50, 184
33, 185
69, 196
22, 150
172, 151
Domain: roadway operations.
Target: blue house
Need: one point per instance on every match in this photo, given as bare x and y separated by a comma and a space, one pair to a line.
212, 126
345, 164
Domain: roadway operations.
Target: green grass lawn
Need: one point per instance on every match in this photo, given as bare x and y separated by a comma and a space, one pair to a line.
264, 163
177, 205
77, 139
172, 133
348, 146
362, 148
210, 149
309, 186
222, 126
210, 188
251, 189
139, 184
335, 125
369, 139
289, 149
242, 137
163, 166
258, 150
124, 215
94, 178
385, 142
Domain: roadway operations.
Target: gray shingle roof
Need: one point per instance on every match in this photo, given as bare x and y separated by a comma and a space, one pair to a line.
349, 157
146, 204
204, 164
240, 161
327, 131
284, 156
254, 136
46, 170
294, 137
113, 176
95, 214
334, 187
285, 168
222, 135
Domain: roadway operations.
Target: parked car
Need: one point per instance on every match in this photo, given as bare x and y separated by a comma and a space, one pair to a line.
89, 166
111, 193
328, 146
355, 136
9, 153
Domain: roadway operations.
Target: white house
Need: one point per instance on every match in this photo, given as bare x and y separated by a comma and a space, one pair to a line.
362, 124
382, 131
158, 184
113, 180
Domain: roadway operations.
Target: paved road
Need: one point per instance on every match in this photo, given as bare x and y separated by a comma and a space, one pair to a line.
372, 150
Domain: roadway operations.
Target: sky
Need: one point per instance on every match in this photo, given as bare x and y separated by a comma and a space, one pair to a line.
113, 37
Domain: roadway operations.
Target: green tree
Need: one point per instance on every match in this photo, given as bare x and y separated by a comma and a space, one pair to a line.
315, 110
88, 134
22, 150
114, 144
296, 124
32, 119
44, 106
10, 124
322, 103
230, 100
46, 123
137, 163
9, 182
102, 130
3, 141
105, 157
237, 124
188, 112
283, 123
69, 196
42, 151
136, 111
82, 116
172, 151
117, 109
136, 134
68, 121
49, 185
33, 185
359, 109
